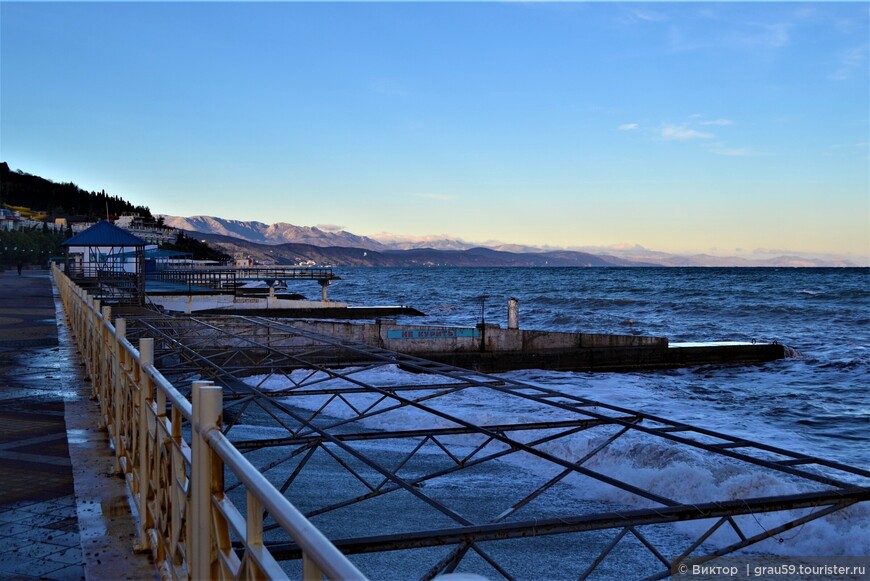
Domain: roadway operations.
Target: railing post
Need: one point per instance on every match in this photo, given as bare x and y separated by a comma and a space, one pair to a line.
207, 407
310, 570
105, 356
146, 359
120, 372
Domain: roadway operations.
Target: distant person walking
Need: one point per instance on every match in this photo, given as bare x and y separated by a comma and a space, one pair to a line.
19, 269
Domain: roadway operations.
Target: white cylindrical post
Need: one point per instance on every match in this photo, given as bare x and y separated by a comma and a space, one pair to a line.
310, 570
146, 359
106, 351
207, 406
513, 313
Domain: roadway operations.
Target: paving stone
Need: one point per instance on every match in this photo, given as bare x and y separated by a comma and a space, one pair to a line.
70, 556
40, 536
70, 573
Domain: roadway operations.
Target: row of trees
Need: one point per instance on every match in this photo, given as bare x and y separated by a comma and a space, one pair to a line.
18, 188
200, 250
35, 247
28, 247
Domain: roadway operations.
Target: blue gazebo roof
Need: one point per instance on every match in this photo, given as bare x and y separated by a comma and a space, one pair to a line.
104, 233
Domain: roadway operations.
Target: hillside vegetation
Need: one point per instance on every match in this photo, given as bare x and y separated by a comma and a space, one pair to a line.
45, 200
38, 199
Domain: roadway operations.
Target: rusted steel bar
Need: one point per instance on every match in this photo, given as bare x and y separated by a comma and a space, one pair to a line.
398, 434
588, 522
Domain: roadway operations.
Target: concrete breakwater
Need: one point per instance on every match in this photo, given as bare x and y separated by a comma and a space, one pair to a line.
492, 349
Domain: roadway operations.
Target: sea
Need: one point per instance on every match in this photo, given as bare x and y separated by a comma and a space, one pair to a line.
816, 401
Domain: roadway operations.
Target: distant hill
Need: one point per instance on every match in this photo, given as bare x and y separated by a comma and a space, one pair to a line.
290, 244
18, 188
433, 250
295, 253
279, 233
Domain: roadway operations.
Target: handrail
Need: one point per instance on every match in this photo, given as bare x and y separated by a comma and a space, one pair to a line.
186, 520
307, 536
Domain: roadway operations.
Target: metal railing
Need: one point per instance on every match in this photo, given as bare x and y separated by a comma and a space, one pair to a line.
223, 279
173, 456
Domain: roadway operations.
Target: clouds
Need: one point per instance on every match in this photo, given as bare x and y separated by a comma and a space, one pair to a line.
719, 122
852, 61
696, 128
682, 133
330, 227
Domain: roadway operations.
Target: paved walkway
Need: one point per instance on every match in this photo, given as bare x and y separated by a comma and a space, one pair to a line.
63, 512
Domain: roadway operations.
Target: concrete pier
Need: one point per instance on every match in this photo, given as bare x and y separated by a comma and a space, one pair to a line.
611, 358
491, 349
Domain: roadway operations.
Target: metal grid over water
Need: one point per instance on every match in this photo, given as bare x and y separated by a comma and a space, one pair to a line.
415, 468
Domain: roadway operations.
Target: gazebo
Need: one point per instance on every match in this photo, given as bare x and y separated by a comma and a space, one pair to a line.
109, 259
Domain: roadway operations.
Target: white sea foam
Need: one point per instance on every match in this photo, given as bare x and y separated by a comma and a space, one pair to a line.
681, 473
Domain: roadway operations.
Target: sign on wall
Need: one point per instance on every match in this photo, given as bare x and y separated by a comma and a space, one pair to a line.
432, 333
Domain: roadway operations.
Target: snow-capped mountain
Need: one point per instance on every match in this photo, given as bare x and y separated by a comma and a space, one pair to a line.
325, 237
280, 233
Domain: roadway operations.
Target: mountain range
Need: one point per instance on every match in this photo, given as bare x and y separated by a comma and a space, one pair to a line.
289, 244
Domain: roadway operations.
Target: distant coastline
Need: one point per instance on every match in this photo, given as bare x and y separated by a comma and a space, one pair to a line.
289, 244
344, 256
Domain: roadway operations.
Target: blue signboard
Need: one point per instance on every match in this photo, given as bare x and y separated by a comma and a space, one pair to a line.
445, 333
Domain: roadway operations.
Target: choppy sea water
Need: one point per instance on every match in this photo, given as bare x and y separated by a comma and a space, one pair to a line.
821, 397
816, 402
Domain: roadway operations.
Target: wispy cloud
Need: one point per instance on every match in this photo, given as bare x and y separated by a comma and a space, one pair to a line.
683, 133
646, 14
731, 35
860, 148
691, 130
851, 61
771, 36
433, 196
719, 122
329, 227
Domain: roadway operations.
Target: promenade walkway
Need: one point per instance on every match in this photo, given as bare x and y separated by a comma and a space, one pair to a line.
64, 513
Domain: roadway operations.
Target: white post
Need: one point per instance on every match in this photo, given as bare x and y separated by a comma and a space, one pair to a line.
207, 405
310, 570
513, 313
106, 351
146, 359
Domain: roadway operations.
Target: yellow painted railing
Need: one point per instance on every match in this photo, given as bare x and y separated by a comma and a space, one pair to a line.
186, 520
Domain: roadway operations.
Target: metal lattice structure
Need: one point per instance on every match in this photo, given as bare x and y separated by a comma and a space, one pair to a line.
445, 469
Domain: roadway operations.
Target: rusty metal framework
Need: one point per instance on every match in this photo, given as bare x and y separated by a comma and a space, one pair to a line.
414, 466
220, 280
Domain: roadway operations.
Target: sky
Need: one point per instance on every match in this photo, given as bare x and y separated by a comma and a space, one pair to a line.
737, 128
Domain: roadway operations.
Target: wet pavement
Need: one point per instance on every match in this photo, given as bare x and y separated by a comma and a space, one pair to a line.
64, 512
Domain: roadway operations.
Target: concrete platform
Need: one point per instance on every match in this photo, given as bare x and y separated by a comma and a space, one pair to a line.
63, 513
613, 358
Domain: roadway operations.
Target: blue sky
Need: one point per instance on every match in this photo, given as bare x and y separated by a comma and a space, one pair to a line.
682, 127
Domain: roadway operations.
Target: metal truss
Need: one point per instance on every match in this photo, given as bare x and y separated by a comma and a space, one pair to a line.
400, 471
